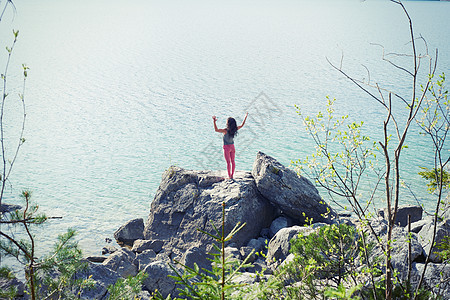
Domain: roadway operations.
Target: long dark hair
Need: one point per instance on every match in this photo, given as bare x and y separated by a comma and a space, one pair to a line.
231, 126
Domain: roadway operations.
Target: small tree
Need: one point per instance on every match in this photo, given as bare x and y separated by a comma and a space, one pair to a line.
54, 274
340, 172
435, 124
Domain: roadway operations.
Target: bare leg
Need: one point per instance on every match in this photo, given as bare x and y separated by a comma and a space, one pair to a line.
226, 153
233, 164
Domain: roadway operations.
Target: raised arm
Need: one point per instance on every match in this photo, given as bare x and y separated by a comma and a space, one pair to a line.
243, 122
215, 126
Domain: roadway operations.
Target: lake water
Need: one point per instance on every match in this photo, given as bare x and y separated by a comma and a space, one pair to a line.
120, 90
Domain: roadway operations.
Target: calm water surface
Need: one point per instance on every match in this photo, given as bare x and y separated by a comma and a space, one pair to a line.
120, 90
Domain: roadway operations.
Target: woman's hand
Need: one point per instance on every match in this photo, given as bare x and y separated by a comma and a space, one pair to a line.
243, 122
215, 126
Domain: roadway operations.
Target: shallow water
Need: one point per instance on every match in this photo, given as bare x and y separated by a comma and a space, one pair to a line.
120, 90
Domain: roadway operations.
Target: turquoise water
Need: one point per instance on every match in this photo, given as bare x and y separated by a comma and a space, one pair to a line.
120, 90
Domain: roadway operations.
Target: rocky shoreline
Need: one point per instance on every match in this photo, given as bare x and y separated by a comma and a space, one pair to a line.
272, 200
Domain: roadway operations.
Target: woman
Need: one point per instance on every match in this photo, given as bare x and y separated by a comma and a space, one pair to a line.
228, 141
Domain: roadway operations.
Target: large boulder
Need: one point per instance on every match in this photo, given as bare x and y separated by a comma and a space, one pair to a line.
158, 279
130, 232
190, 200
12, 284
445, 209
121, 261
197, 256
102, 276
278, 224
436, 278
280, 244
399, 249
295, 195
401, 219
426, 237
142, 245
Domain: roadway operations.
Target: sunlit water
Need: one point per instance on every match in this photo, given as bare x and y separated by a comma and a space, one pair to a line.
120, 90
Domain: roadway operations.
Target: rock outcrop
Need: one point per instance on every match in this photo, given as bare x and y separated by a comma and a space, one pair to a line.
190, 200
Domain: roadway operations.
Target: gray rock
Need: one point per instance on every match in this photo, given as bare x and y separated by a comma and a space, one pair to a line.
189, 200
257, 244
144, 295
245, 278
379, 225
232, 245
198, 256
6, 208
426, 235
279, 223
129, 232
279, 245
142, 245
264, 241
445, 213
265, 232
436, 278
248, 252
288, 260
295, 195
399, 251
346, 220
318, 225
96, 259
260, 266
7, 284
108, 249
401, 219
232, 252
417, 226
103, 277
158, 279
121, 261
144, 258
164, 256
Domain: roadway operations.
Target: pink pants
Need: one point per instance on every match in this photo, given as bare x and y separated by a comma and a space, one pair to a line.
229, 152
